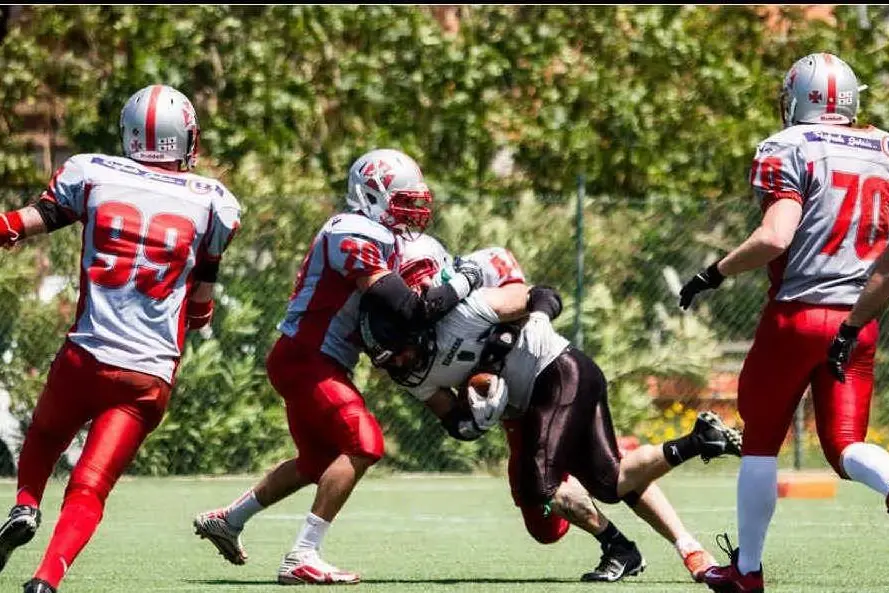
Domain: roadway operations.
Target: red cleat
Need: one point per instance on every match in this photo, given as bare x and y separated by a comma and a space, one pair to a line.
728, 579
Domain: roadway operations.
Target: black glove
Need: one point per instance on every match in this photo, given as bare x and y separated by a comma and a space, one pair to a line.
545, 299
841, 350
703, 280
472, 271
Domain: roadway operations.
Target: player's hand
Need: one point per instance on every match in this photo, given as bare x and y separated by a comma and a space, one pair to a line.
704, 280
545, 299
841, 350
473, 272
486, 410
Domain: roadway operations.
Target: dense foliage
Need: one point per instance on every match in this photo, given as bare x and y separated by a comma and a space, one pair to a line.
659, 108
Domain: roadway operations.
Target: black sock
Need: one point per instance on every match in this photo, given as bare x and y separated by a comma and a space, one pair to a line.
612, 536
682, 449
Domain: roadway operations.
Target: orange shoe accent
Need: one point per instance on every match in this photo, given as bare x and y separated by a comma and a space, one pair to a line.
697, 563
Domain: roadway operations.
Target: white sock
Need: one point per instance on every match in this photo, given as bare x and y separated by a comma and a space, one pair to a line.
868, 464
312, 533
685, 544
757, 497
240, 511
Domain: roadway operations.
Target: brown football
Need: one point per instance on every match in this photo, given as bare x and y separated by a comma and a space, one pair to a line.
481, 382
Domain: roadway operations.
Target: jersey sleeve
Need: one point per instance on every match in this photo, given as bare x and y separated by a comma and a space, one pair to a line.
779, 172
499, 266
354, 255
68, 189
224, 223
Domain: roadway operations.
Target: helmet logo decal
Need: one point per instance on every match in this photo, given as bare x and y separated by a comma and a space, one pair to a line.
370, 173
167, 144
135, 145
815, 97
187, 117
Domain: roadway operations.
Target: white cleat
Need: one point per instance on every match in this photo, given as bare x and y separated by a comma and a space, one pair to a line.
307, 568
213, 526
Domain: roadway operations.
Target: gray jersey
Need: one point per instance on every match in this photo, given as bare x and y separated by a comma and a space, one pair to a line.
460, 338
840, 176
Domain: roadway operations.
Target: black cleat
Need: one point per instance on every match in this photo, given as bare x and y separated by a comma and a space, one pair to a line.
616, 563
38, 586
18, 530
716, 439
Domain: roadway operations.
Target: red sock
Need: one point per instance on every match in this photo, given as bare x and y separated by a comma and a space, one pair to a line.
81, 513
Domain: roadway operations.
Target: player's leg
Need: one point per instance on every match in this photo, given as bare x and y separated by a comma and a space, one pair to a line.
841, 415
345, 426
223, 526
541, 450
620, 556
61, 411
598, 462
654, 508
770, 387
114, 437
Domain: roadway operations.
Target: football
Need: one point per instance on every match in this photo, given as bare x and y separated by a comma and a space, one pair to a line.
481, 382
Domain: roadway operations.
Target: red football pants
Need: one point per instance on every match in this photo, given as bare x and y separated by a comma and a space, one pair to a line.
788, 355
545, 529
326, 415
124, 407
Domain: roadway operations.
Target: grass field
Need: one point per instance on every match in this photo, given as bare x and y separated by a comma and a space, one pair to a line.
453, 533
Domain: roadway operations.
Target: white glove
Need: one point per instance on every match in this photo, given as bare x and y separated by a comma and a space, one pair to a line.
486, 411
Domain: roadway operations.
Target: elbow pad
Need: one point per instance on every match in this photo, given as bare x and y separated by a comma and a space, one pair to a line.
460, 425
391, 292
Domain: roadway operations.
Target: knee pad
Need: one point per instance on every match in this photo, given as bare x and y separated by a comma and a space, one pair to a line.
545, 530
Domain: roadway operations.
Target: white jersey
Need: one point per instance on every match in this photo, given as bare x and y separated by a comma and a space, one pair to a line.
322, 314
460, 339
840, 176
144, 229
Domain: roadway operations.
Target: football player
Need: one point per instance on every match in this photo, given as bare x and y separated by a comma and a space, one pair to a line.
153, 236
337, 438
554, 408
822, 184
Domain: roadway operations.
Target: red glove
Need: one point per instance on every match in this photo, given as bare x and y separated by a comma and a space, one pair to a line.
197, 315
11, 228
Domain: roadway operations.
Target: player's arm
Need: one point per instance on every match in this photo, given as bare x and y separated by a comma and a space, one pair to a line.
390, 290
514, 301
225, 221
778, 177
16, 225
768, 241
869, 305
456, 420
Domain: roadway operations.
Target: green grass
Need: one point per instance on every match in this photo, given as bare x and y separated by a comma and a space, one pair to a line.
453, 533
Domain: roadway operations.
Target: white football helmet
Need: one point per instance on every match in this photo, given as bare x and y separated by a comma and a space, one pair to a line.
425, 263
387, 186
820, 89
158, 124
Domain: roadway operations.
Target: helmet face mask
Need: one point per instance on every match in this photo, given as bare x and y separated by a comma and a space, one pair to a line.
387, 186
425, 263
406, 356
158, 124
819, 88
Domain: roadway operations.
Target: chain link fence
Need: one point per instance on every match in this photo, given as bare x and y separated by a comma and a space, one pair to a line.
618, 264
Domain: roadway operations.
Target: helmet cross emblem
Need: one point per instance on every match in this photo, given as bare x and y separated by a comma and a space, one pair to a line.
815, 97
